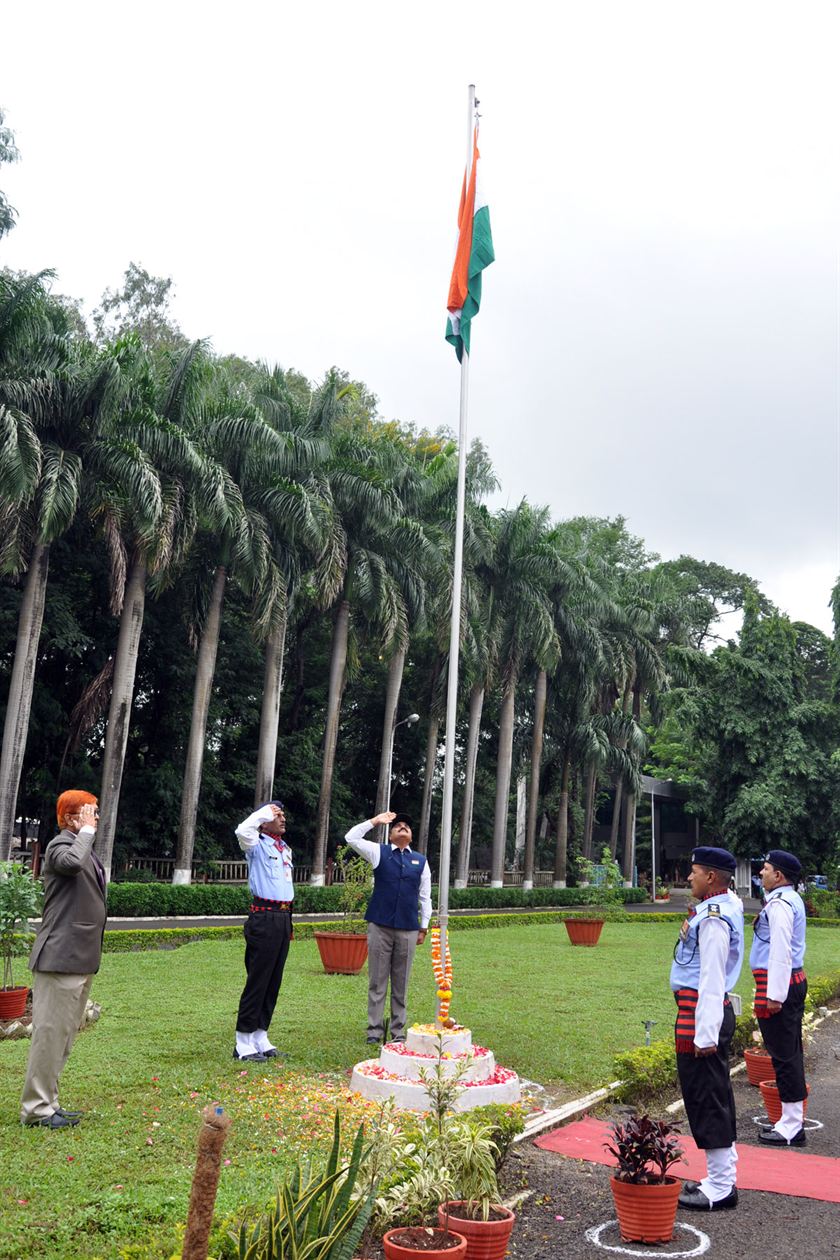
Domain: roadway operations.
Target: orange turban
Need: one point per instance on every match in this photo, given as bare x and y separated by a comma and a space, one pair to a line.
70, 803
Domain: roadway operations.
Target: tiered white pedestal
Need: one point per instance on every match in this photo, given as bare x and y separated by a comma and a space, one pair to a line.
396, 1072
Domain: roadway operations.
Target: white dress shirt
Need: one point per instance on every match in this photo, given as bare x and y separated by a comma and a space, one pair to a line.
713, 941
371, 852
780, 921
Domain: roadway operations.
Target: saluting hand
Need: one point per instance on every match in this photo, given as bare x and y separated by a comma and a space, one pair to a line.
384, 819
88, 816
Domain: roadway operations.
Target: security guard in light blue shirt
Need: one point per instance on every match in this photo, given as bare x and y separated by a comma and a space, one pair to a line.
268, 931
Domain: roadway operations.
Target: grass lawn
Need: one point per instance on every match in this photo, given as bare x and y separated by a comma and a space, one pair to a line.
162, 1051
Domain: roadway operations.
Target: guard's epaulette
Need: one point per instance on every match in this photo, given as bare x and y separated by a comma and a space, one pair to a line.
714, 910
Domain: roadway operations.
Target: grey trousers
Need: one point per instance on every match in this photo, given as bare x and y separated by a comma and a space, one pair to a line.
390, 955
58, 1008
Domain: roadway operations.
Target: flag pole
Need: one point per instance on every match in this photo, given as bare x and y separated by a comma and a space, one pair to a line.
455, 623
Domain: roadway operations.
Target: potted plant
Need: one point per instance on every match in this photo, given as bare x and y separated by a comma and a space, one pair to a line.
450, 1154
585, 929
758, 1062
773, 1103
343, 945
645, 1195
20, 900
663, 892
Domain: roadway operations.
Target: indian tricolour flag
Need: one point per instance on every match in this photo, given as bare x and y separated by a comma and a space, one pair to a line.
473, 254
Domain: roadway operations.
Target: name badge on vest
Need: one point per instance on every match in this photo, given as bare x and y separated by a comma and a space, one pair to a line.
415, 861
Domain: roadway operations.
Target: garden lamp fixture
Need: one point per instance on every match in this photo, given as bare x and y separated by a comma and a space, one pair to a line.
411, 720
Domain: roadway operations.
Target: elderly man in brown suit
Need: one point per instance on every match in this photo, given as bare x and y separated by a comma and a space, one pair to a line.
65, 956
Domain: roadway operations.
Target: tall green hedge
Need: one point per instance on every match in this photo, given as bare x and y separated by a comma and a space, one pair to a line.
138, 901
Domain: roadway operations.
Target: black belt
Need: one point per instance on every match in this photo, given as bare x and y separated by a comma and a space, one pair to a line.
265, 903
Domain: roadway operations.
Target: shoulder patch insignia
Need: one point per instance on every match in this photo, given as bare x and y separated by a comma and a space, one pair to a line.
714, 910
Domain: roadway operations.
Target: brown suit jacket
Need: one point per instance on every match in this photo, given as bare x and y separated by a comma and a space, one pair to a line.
69, 938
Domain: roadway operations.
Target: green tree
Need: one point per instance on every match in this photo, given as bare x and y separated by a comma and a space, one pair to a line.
8, 153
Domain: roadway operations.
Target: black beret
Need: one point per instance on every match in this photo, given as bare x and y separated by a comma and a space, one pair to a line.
401, 818
787, 863
717, 859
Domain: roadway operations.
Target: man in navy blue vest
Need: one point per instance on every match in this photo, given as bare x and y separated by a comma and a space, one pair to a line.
398, 915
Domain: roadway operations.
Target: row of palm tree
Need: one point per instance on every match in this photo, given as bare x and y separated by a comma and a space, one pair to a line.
207, 472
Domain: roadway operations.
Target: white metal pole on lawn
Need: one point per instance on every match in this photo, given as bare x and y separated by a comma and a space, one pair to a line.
455, 624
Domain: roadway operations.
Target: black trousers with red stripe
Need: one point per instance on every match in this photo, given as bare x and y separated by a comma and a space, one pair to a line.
707, 1091
782, 1035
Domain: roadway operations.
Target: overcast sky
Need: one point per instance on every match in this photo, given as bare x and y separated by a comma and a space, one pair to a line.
660, 334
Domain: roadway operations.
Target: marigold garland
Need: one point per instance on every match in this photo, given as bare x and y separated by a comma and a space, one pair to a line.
442, 970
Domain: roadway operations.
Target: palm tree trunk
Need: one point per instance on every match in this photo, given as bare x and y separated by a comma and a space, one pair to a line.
428, 785
338, 662
119, 711
20, 691
476, 705
629, 838
589, 809
617, 797
534, 795
205, 669
386, 756
504, 767
562, 846
275, 650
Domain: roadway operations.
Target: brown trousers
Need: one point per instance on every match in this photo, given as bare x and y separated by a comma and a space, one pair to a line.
58, 1008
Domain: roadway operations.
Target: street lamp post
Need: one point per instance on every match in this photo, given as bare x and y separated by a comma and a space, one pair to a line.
411, 720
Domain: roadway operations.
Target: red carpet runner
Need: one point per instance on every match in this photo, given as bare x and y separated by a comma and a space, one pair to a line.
781, 1171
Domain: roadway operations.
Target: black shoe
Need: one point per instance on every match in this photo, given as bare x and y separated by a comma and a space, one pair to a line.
695, 1198
373, 1041
250, 1058
773, 1138
55, 1121
60, 1111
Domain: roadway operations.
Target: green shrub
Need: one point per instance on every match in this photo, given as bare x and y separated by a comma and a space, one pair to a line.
320, 1213
822, 990
647, 1070
155, 900
506, 1122
825, 905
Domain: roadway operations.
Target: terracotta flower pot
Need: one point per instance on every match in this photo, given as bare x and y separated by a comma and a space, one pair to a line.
397, 1251
646, 1213
772, 1102
342, 953
759, 1066
584, 931
13, 1001
486, 1240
